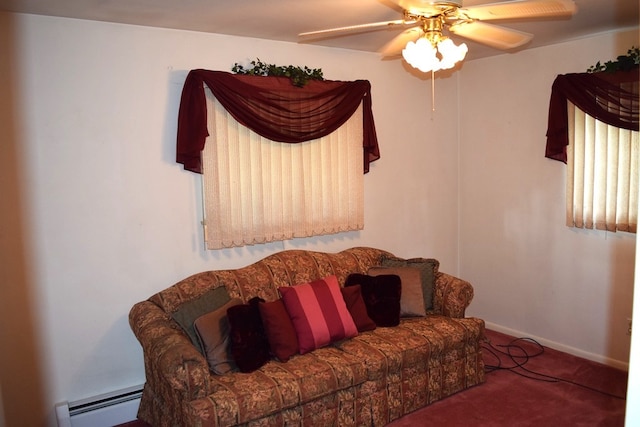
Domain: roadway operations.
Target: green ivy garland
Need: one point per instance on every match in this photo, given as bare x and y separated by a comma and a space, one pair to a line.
622, 63
298, 76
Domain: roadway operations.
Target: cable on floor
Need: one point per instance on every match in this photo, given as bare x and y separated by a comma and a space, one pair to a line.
519, 357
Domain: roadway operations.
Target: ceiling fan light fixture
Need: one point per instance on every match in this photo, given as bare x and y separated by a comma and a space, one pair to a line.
433, 51
423, 54
451, 54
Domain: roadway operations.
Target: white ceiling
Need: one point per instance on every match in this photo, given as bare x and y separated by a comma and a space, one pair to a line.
284, 19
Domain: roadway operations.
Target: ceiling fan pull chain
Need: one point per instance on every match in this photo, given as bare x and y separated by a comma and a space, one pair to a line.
433, 91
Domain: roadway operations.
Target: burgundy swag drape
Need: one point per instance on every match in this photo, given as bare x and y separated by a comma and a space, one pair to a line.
273, 108
611, 98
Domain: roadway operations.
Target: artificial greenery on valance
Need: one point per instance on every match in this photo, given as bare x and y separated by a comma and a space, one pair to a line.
273, 108
611, 97
626, 62
299, 76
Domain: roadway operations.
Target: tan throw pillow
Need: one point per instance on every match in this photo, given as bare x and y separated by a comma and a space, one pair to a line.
428, 269
411, 296
213, 332
188, 312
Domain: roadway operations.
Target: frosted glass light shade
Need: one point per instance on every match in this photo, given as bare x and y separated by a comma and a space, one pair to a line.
422, 54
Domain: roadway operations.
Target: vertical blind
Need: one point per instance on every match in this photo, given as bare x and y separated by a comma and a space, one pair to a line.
257, 190
602, 174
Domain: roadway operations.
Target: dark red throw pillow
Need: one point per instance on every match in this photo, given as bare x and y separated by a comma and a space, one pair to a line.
355, 304
381, 295
279, 329
249, 344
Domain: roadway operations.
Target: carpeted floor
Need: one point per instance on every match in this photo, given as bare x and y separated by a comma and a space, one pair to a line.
528, 385
545, 388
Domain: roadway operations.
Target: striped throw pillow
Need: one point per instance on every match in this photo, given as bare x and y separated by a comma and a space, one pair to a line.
318, 313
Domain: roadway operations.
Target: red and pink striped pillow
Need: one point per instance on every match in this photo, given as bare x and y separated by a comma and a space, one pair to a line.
319, 313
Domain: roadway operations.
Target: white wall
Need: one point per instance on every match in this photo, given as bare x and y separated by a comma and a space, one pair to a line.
113, 219
533, 275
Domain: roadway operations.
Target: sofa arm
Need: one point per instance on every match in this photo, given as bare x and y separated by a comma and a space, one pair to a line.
171, 361
451, 295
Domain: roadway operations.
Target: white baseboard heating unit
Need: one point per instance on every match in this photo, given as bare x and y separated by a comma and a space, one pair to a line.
106, 410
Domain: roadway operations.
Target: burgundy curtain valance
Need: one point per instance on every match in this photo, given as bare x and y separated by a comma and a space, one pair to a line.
611, 98
273, 108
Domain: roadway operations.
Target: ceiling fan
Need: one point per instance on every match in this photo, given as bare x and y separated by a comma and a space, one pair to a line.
423, 43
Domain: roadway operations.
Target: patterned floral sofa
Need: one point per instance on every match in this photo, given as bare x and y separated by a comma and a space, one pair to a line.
369, 380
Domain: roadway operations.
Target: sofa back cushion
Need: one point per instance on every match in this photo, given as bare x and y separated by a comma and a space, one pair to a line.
263, 278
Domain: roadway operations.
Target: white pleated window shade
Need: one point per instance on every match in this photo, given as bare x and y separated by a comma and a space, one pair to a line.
258, 191
602, 174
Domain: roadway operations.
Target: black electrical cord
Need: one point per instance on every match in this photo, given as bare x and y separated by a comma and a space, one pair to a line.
522, 357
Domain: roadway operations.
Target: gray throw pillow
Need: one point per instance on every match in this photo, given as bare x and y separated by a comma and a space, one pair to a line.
188, 312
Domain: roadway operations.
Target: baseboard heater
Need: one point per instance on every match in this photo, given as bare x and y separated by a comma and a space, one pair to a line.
106, 410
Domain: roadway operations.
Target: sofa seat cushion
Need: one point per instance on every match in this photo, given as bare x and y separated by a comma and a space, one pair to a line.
242, 397
408, 349
385, 350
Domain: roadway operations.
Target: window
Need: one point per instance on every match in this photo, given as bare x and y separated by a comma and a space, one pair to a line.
258, 190
593, 127
602, 174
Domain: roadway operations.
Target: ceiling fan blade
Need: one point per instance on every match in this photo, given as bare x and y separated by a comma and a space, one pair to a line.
352, 29
520, 9
395, 46
491, 35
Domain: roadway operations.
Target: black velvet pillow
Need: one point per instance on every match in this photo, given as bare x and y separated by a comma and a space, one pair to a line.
249, 344
381, 295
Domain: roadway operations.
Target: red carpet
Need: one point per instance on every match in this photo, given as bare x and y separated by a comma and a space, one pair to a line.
535, 387
549, 388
